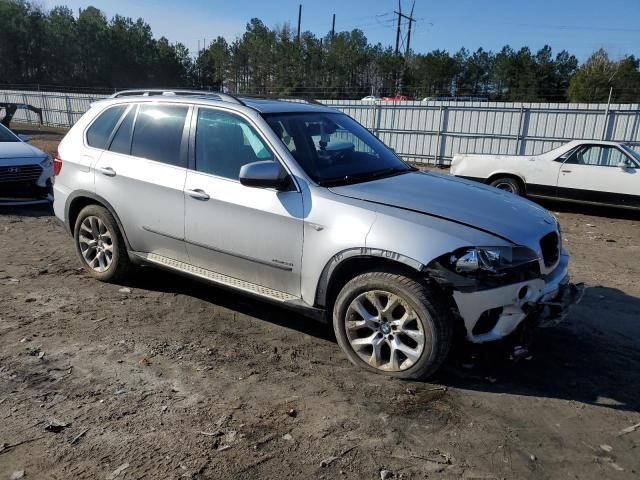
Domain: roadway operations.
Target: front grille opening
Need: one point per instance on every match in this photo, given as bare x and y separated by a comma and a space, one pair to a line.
487, 321
550, 248
22, 173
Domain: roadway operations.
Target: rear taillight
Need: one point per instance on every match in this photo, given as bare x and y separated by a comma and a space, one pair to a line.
57, 165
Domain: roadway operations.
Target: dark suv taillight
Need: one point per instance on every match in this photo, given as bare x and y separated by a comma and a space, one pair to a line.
57, 164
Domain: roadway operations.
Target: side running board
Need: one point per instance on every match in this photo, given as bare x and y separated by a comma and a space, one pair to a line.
215, 277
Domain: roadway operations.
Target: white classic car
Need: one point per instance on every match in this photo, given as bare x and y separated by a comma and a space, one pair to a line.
586, 171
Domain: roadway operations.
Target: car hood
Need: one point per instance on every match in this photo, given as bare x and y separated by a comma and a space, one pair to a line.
470, 203
14, 150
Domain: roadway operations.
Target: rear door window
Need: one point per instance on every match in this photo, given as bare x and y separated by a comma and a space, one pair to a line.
100, 130
158, 133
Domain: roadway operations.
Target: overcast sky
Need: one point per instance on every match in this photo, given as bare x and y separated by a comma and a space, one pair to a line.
580, 26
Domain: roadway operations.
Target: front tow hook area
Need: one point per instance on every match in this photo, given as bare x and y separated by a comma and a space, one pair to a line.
545, 313
556, 309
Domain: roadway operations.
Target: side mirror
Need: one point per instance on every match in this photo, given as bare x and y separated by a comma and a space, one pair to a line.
624, 164
23, 137
265, 174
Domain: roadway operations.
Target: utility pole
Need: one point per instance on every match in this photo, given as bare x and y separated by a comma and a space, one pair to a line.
333, 27
299, 19
399, 13
411, 20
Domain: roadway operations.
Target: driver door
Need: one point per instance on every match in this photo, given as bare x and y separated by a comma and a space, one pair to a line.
250, 234
594, 173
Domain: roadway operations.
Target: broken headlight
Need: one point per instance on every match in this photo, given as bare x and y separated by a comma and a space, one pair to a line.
490, 259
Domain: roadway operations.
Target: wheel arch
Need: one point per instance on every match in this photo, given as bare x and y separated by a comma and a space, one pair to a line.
80, 199
346, 264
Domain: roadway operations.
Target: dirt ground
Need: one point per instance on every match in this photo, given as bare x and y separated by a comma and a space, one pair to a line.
163, 377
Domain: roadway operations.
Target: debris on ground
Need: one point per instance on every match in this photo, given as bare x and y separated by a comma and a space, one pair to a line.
17, 475
56, 426
117, 471
292, 413
630, 429
328, 461
288, 437
606, 448
435, 457
125, 290
78, 437
386, 474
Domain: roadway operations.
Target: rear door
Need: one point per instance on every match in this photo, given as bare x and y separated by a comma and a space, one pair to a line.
142, 175
251, 234
593, 173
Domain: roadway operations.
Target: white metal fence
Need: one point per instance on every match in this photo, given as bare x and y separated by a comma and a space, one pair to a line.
433, 132
427, 132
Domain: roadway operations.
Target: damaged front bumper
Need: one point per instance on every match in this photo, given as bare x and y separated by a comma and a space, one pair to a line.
493, 314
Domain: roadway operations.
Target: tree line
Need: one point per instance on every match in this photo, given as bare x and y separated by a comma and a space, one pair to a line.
56, 47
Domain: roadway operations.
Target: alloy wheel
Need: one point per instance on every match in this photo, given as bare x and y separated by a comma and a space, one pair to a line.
96, 244
384, 331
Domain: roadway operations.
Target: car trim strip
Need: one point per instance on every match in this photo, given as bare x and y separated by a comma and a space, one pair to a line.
279, 264
216, 277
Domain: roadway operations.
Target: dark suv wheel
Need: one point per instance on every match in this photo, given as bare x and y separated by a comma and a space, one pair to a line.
391, 324
100, 245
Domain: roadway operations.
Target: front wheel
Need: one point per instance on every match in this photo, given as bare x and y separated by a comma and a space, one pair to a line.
391, 324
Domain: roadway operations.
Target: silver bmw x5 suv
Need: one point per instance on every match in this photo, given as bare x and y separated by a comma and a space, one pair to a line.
299, 204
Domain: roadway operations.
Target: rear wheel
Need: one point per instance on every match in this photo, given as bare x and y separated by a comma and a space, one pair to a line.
391, 324
100, 245
508, 184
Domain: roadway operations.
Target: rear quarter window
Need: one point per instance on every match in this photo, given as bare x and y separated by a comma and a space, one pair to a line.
100, 130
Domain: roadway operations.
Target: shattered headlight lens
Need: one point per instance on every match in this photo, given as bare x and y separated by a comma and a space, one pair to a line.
490, 259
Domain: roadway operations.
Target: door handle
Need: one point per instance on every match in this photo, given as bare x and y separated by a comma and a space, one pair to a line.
566, 171
108, 171
198, 194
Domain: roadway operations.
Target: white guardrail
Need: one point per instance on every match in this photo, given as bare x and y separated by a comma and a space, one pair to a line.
426, 132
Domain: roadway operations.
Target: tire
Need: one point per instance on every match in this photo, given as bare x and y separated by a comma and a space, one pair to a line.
432, 323
508, 184
97, 221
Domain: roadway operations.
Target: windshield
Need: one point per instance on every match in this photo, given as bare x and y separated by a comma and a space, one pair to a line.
632, 152
6, 135
333, 149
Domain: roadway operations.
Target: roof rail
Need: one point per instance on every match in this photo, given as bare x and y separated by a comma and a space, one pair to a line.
146, 92
283, 98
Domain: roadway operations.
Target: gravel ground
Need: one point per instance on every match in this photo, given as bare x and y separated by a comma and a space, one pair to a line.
164, 377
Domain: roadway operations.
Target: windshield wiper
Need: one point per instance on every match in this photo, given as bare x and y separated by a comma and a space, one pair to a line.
361, 177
